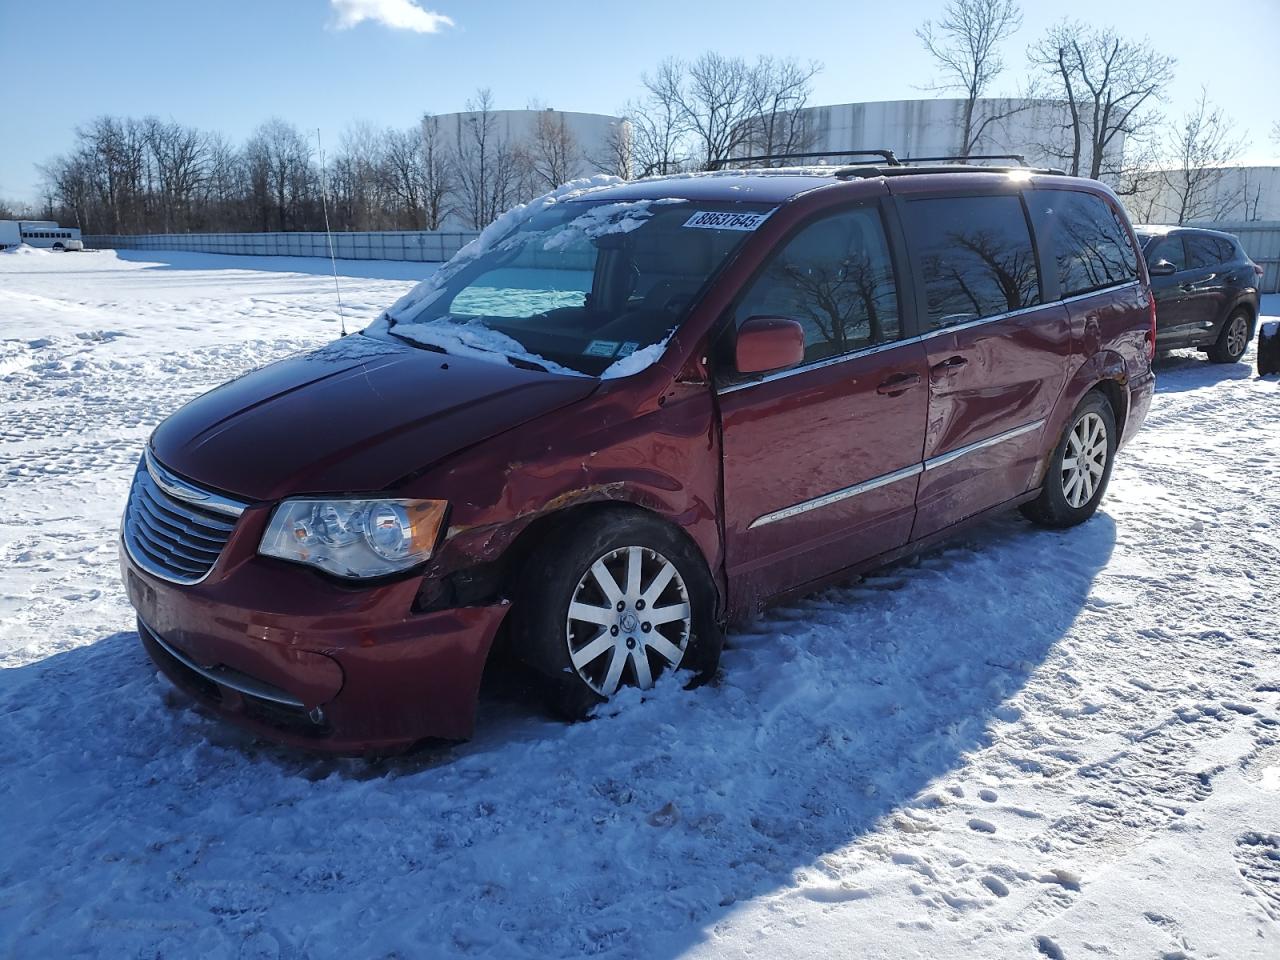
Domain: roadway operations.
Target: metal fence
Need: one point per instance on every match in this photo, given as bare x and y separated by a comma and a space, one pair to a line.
414, 245
1261, 240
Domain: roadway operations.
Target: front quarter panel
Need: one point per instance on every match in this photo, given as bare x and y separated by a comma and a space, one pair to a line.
645, 440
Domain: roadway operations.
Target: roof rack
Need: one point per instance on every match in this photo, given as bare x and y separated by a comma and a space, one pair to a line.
885, 163
905, 169
963, 158
886, 155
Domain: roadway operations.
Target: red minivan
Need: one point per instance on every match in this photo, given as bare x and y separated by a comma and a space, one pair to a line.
626, 416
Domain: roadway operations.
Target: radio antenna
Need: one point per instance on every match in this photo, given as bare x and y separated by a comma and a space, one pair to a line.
324, 205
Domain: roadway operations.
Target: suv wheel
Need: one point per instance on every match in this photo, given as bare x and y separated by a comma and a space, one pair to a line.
1233, 340
614, 601
1080, 467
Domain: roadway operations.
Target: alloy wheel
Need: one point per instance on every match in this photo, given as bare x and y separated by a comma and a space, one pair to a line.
1085, 460
629, 619
1237, 336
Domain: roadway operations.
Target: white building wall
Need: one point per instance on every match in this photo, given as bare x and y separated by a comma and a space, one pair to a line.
591, 131
920, 128
1233, 193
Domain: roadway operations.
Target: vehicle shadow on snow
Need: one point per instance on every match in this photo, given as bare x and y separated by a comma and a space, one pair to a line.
629, 835
1182, 370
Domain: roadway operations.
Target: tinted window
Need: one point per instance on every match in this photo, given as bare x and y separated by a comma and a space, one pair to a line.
834, 277
975, 256
1170, 248
1226, 250
1202, 251
1083, 240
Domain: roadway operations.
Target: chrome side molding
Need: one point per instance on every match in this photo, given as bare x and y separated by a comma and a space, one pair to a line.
837, 495
884, 480
944, 458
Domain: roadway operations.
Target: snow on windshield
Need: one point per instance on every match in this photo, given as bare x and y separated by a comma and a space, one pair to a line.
489, 237
475, 339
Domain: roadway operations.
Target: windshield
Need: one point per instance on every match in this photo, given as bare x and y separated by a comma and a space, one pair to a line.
591, 288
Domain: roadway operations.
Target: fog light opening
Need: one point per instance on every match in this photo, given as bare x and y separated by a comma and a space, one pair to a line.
316, 716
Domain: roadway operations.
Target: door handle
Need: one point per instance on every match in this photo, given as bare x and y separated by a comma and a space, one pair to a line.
898, 384
951, 363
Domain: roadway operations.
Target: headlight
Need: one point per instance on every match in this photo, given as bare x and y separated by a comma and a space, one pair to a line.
355, 538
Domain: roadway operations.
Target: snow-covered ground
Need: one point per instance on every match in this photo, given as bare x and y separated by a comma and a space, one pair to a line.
1026, 744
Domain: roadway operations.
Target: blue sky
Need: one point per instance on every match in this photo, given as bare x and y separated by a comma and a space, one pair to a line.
229, 64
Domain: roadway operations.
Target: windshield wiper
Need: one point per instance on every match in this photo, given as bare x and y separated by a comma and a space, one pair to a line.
525, 363
434, 347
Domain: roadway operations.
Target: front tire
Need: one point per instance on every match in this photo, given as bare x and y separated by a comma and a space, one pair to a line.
1233, 340
1079, 469
615, 600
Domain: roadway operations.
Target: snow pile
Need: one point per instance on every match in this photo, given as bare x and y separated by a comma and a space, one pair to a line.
474, 339
605, 219
26, 250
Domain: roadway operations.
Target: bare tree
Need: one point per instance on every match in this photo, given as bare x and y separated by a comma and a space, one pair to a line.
658, 121
486, 168
779, 95
966, 45
1194, 175
437, 174
617, 153
552, 153
1110, 86
702, 113
180, 158
718, 98
281, 179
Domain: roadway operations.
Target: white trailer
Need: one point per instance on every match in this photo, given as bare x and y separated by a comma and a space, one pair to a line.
39, 233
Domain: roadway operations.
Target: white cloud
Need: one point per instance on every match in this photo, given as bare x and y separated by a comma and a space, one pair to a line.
396, 14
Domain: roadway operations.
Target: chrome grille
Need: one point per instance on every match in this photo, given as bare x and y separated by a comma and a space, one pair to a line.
174, 529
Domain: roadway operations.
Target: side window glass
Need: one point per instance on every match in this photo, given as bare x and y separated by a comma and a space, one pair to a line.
1084, 239
1202, 252
1170, 248
835, 278
975, 255
1226, 251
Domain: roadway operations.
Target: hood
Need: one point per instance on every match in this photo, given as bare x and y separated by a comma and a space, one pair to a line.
354, 416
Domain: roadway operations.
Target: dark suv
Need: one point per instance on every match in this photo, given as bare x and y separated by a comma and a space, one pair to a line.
1206, 290
626, 416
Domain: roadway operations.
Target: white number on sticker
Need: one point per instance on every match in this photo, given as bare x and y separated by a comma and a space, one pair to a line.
715, 220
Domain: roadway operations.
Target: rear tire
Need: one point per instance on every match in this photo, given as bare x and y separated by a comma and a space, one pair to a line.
1233, 339
589, 622
1079, 469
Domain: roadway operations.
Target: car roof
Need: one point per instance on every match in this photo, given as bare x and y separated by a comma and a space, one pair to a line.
1165, 230
744, 186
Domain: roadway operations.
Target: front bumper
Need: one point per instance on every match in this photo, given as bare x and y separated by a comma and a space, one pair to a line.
296, 658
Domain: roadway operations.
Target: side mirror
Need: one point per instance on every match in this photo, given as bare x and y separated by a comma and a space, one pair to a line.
1162, 268
768, 343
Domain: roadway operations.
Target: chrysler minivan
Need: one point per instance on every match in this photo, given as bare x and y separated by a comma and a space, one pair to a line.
625, 417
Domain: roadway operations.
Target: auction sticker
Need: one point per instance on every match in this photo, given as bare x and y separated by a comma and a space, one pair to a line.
718, 220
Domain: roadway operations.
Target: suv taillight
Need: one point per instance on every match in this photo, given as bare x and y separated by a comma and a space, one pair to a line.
1151, 334
1258, 270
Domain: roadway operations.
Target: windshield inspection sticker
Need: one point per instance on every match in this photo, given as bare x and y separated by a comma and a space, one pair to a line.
715, 220
601, 348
